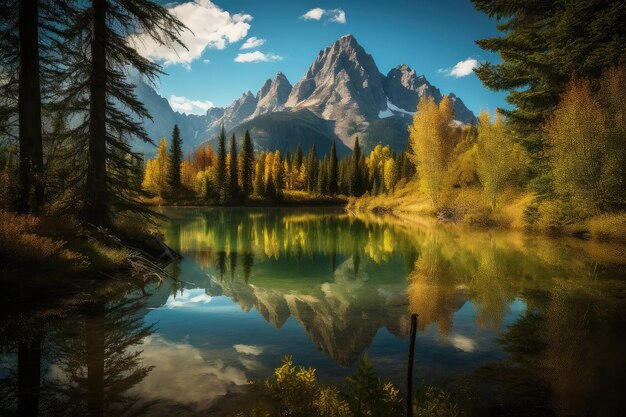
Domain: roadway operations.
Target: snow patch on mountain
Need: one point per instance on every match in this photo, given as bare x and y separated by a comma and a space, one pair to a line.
391, 110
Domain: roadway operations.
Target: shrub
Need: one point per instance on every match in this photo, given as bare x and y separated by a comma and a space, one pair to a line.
608, 226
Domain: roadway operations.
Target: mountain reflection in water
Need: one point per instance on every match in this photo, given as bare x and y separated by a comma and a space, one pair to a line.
536, 325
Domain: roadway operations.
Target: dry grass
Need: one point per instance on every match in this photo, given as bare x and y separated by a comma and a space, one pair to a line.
30, 240
405, 199
468, 205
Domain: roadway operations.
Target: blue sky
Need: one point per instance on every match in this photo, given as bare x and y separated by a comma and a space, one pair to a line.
430, 36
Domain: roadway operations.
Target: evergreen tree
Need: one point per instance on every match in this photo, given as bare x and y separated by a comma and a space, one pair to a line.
247, 167
99, 52
233, 177
333, 171
29, 30
298, 158
220, 168
288, 158
176, 159
259, 172
322, 178
270, 187
311, 170
543, 44
357, 180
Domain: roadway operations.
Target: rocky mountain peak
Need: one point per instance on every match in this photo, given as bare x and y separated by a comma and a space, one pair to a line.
273, 95
343, 84
343, 87
404, 88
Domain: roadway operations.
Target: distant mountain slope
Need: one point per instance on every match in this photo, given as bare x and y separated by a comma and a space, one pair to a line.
285, 130
343, 87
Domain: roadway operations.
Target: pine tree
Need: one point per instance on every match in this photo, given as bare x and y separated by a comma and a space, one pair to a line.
270, 187
30, 30
357, 180
312, 170
333, 171
176, 159
220, 168
298, 158
99, 52
247, 167
233, 178
543, 44
322, 178
259, 172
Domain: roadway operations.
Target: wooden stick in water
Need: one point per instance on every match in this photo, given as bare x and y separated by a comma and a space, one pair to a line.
409, 385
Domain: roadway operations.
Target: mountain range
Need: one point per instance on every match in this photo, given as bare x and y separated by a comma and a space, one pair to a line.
342, 96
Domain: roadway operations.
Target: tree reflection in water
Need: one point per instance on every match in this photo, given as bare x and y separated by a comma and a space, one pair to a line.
82, 360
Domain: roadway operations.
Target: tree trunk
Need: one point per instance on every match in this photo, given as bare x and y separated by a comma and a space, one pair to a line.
95, 349
96, 193
29, 107
28, 376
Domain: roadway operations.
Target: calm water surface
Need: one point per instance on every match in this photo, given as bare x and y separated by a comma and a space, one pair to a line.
535, 326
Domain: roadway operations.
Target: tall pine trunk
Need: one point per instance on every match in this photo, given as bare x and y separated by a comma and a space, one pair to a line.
31, 153
95, 348
96, 193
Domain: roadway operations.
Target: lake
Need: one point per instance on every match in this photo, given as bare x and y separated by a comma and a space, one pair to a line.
530, 325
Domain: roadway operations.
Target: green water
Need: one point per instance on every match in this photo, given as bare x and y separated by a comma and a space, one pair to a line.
523, 325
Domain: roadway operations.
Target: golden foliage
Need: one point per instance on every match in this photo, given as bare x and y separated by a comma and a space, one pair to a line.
432, 137
586, 135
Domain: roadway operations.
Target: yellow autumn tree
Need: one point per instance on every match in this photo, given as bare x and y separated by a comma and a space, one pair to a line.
156, 170
586, 137
432, 137
499, 159
390, 174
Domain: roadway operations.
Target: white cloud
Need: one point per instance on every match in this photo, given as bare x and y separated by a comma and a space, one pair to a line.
197, 296
461, 69
338, 16
188, 369
252, 42
333, 15
209, 27
258, 56
313, 14
206, 61
463, 343
248, 349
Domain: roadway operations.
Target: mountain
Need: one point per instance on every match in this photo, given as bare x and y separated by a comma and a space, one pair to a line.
342, 88
285, 130
343, 84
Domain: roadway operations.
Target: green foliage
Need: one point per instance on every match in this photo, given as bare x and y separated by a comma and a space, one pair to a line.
544, 43
333, 171
220, 169
368, 395
357, 181
295, 392
233, 177
175, 160
247, 165
431, 401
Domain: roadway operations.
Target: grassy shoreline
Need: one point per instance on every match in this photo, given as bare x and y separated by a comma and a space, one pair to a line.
469, 208
290, 199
